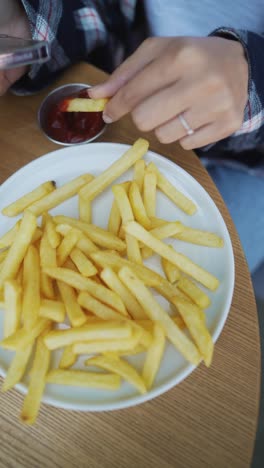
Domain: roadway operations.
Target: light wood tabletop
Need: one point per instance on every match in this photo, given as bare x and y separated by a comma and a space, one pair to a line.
209, 420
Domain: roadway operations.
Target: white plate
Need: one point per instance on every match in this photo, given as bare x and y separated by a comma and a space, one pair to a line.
65, 164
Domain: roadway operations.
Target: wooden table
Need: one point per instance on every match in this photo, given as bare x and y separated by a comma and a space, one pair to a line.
209, 420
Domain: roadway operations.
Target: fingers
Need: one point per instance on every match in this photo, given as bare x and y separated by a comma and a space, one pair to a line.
150, 49
206, 135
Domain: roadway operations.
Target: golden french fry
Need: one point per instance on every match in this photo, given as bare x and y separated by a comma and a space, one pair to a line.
197, 328
178, 259
156, 313
122, 200
97, 308
24, 202
193, 291
111, 330
86, 284
59, 195
37, 383
100, 183
149, 192
84, 244
119, 366
83, 105
131, 352
68, 358
31, 287
8, 238
79, 378
139, 172
48, 257
17, 368
3, 254
114, 221
103, 346
177, 197
75, 313
46, 286
138, 207
167, 230
146, 252
67, 245
18, 249
83, 264
52, 310
85, 210
23, 337
54, 237
111, 279
98, 235
172, 272
154, 356
12, 306
199, 237
148, 276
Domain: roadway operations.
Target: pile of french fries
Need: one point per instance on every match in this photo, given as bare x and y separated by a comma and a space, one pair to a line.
93, 281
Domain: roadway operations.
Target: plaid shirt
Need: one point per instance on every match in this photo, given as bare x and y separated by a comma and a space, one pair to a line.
103, 33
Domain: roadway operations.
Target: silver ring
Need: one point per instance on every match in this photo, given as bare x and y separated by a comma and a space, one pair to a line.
185, 124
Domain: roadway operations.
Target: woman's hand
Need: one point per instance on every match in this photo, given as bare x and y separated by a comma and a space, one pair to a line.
204, 79
13, 22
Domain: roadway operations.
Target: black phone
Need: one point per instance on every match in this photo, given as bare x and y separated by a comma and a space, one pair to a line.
16, 52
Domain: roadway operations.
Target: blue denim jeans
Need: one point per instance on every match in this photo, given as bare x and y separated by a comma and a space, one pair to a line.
243, 194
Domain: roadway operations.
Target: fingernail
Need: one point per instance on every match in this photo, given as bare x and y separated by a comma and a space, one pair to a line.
107, 119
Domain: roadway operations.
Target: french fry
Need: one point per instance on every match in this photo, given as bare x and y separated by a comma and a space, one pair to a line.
83, 105
67, 245
8, 238
120, 367
139, 171
199, 237
138, 207
193, 291
168, 229
47, 253
172, 272
23, 337
75, 313
84, 244
104, 346
156, 313
148, 276
12, 306
177, 197
178, 259
122, 200
111, 330
24, 202
114, 221
149, 192
17, 368
59, 195
86, 284
97, 308
79, 378
46, 286
18, 249
68, 358
52, 310
54, 237
154, 356
37, 383
111, 279
85, 210
131, 352
197, 329
83, 264
31, 287
146, 252
98, 235
3, 254
100, 183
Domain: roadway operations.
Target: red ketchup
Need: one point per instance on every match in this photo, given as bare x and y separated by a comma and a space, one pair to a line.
73, 127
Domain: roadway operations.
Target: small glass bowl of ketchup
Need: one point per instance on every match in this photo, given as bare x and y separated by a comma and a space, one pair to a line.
69, 128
